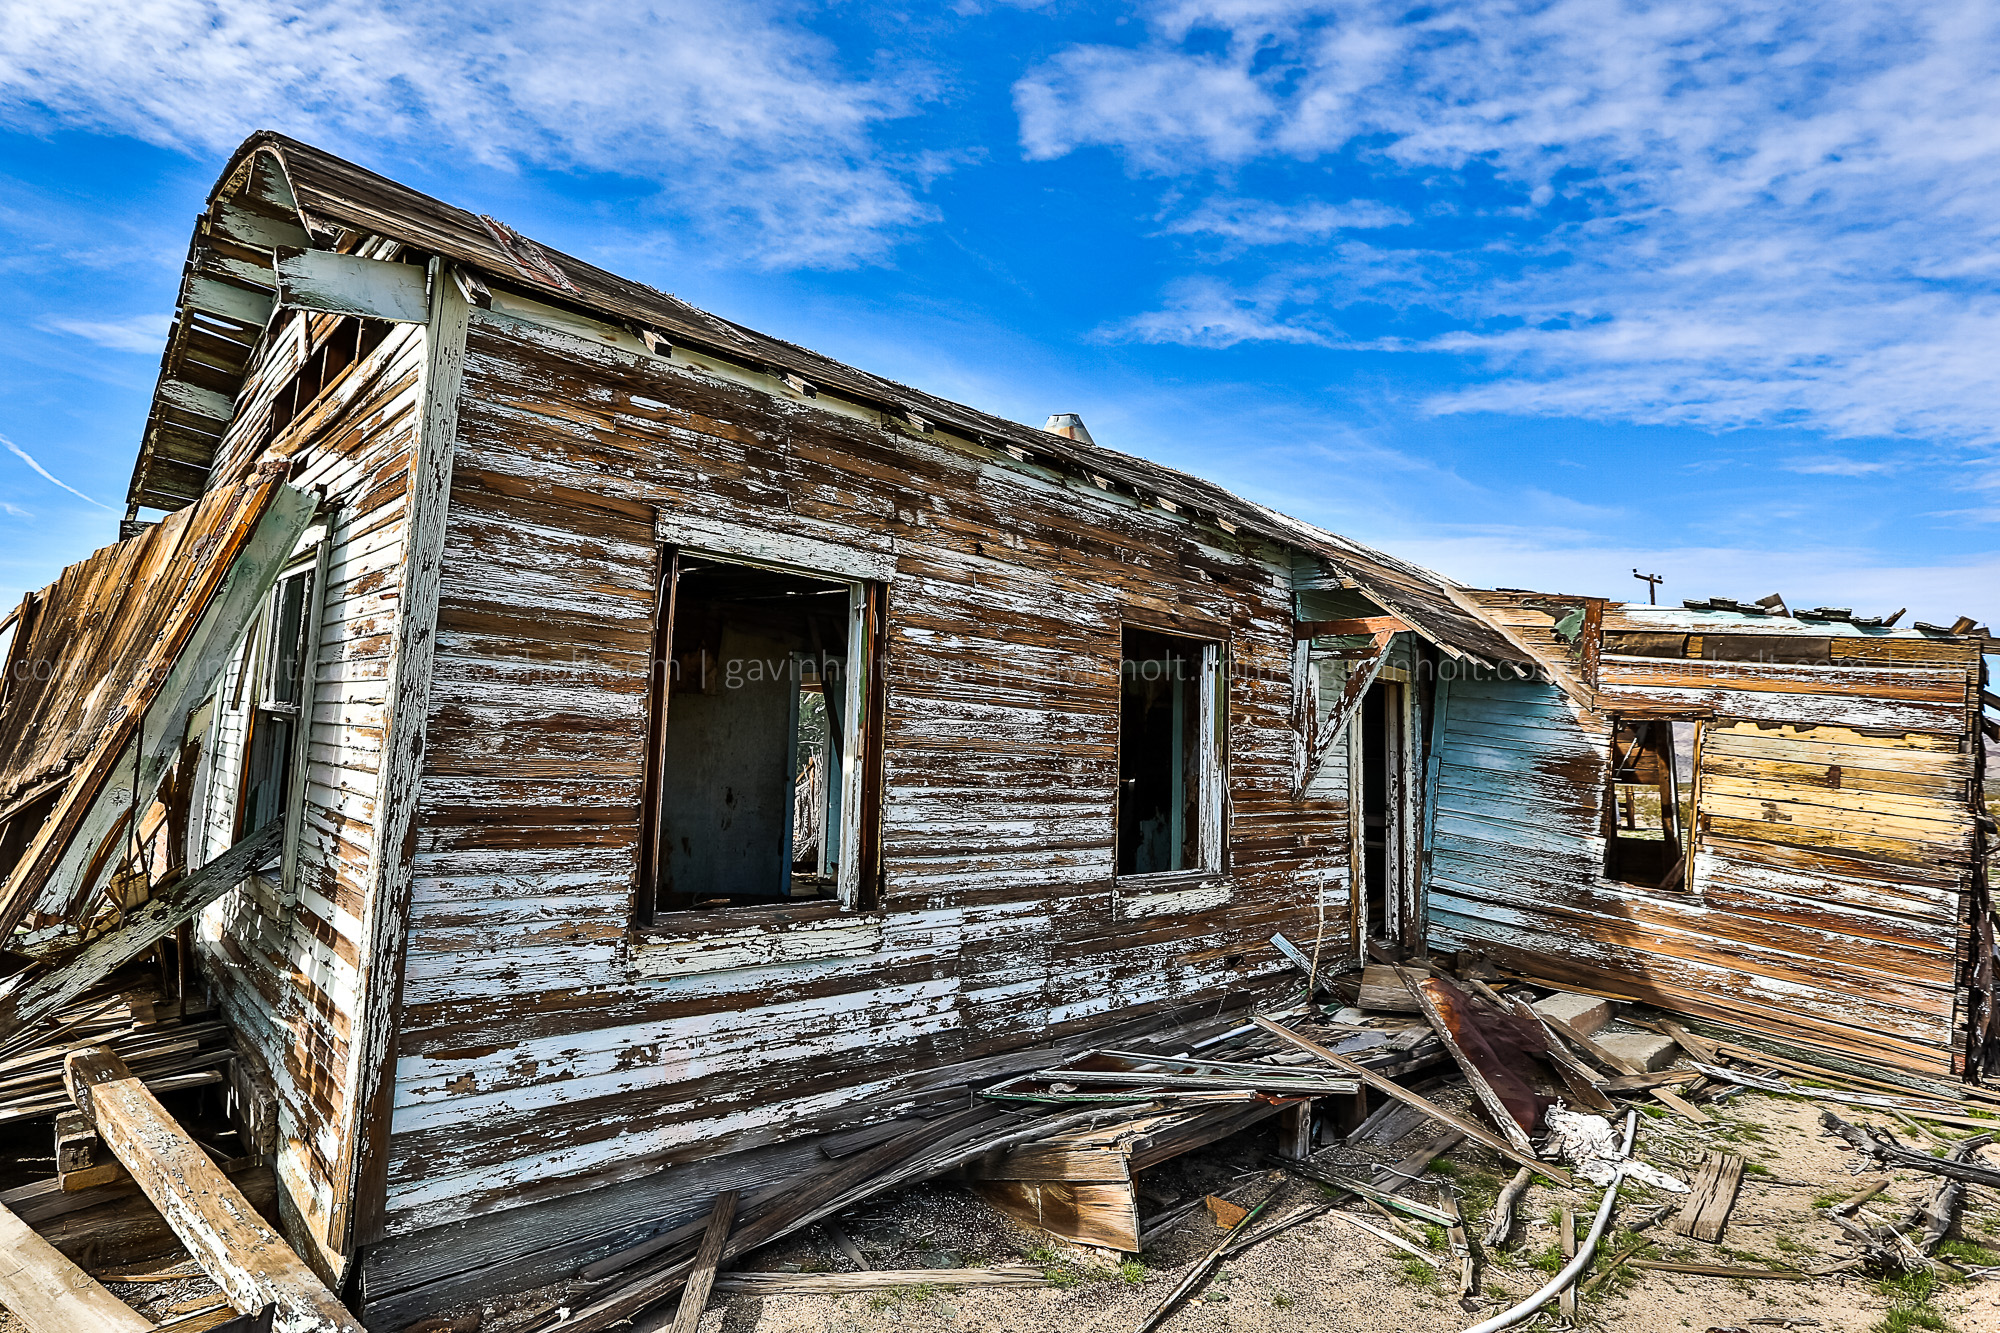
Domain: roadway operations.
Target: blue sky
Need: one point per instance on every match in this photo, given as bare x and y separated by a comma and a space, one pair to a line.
1531, 292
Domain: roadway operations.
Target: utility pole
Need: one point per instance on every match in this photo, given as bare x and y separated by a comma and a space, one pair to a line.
1652, 582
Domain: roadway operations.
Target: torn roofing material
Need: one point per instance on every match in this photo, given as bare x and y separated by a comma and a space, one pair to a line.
95, 651
278, 193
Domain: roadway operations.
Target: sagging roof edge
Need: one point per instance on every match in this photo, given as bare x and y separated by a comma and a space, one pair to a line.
314, 196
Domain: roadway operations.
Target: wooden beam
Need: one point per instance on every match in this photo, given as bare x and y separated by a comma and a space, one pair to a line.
152, 921
363, 1171
1323, 629
50, 1294
694, 1296
220, 1228
333, 283
1396, 1090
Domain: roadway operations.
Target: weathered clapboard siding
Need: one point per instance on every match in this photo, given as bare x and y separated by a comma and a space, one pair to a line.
536, 1056
1833, 834
286, 966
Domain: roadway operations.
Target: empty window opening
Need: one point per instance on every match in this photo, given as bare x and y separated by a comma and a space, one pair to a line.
1652, 763
1169, 787
1383, 786
759, 740
277, 656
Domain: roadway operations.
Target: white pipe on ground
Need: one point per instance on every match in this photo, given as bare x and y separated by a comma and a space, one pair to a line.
1584, 1252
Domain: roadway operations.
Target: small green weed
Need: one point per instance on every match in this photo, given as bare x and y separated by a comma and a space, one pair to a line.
1420, 1274
1909, 1304
895, 1298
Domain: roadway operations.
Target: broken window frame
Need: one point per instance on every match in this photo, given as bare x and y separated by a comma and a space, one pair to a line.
1677, 872
246, 689
859, 855
1211, 775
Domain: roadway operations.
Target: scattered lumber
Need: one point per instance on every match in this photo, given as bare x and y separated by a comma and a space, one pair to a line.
1886, 1149
694, 1296
1706, 1210
927, 1151
1502, 1224
1591, 1047
173, 904
222, 1230
1461, 1248
1429, 1108
1576, 1076
1732, 1051
1336, 1180
836, 1284
1681, 1106
1395, 1179
1666, 1078
1943, 1113
1389, 1236
50, 1294
1382, 990
1719, 1270
1700, 1048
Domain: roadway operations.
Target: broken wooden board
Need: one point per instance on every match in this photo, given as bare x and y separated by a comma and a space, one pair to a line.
1706, 1209
222, 1230
1383, 991
172, 906
1085, 1212
49, 1294
694, 1296
1434, 997
1428, 1107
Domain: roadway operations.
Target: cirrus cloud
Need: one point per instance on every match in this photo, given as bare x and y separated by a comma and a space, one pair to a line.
770, 145
1710, 214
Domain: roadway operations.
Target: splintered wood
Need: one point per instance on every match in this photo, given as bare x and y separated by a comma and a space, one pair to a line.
1706, 1209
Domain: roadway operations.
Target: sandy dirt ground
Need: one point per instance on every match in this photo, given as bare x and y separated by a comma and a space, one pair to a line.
1330, 1278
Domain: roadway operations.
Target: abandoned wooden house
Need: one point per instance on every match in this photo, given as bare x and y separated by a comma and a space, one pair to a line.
603, 751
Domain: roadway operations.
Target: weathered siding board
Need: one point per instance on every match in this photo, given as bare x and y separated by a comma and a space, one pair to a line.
1826, 899
284, 967
529, 1023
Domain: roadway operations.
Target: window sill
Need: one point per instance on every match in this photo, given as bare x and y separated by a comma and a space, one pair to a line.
1171, 893
685, 944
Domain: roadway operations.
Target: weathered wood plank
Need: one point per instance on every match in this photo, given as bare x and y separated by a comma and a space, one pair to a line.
221, 1229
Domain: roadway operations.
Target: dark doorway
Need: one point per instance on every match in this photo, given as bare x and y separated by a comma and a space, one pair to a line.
1382, 795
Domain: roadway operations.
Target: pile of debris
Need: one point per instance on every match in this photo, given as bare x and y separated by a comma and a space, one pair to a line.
1546, 1086
1540, 1081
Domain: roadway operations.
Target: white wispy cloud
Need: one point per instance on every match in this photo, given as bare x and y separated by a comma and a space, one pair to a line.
25, 457
764, 139
1262, 222
137, 333
1759, 212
